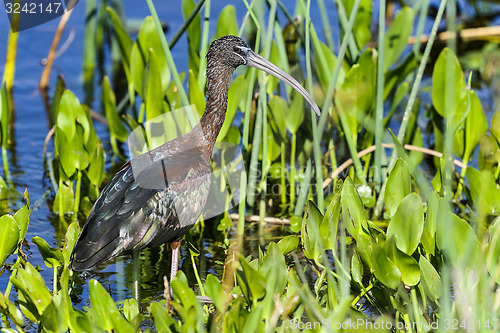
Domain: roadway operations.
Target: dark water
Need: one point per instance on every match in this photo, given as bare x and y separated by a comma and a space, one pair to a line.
31, 127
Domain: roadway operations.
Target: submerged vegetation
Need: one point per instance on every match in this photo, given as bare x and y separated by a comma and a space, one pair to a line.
389, 201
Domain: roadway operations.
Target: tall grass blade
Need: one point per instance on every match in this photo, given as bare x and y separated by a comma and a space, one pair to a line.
411, 100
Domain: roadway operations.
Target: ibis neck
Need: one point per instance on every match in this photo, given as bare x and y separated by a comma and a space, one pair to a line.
211, 122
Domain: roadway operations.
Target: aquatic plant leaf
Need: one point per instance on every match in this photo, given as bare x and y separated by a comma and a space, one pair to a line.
187, 306
288, 244
55, 317
4, 189
226, 23
326, 61
69, 241
407, 265
162, 319
311, 238
364, 244
398, 186
457, 240
352, 203
193, 36
9, 237
357, 268
395, 77
116, 127
22, 216
149, 41
296, 223
131, 312
173, 96
35, 295
152, 90
251, 282
277, 111
493, 251
254, 322
56, 99
356, 95
4, 116
489, 152
66, 117
475, 125
396, 38
329, 225
485, 195
236, 94
274, 269
400, 93
137, 68
51, 256
233, 135
95, 171
103, 310
273, 143
8, 308
436, 206
417, 174
495, 126
124, 41
214, 290
362, 23
295, 115
430, 279
384, 268
196, 95
407, 224
445, 100
65, 198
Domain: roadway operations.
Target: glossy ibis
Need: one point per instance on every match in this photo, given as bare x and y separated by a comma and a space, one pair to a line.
131, 215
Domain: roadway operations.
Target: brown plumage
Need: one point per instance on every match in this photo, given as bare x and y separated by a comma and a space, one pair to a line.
131, 215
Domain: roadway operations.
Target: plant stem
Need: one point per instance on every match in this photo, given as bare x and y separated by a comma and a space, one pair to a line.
282, 177
315, 132
292, 171
54, 281
14, 273
185, 25
304, 190
416, 309
204, 46
77, 194
170, 61
361, 295
346, 25
254, 156
5, 163
197, 276
351, 144
326, 25
379, 126
411, 102
336, 71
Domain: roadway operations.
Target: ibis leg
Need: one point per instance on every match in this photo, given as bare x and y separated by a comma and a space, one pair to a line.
136, 274
175, 266
175, 259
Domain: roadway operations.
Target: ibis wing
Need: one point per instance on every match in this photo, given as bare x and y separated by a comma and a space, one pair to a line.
124, 218
118, 207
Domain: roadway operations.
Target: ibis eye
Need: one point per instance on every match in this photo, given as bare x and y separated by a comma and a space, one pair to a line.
240, 50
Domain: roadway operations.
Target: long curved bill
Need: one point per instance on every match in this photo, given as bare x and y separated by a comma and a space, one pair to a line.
255, 60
